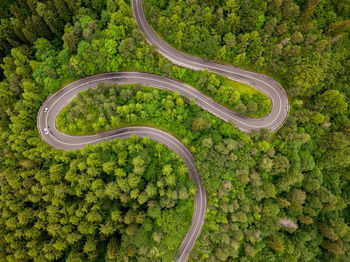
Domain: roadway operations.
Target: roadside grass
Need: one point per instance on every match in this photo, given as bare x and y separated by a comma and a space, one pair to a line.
84, 126
264, 103
262, 100
243, 88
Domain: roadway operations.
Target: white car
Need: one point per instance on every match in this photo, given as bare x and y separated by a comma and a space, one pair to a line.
45, 110
46, 131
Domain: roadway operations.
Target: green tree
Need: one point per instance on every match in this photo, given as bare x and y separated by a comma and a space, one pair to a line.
333, 247
276, 243
297, 37
198, 124
309, 10
338, 27
327, 231
112, 248
332, 101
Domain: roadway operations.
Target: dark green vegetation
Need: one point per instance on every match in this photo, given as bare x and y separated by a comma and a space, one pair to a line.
98, 203
302, 42
271, 198
126, 198
27, 21
237, 96
111, 107
302, 172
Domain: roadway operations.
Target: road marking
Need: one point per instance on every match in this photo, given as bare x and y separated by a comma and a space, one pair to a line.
161, 136
177, 86
211, 63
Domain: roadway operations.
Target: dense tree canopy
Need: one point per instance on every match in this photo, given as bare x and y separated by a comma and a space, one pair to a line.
279, 197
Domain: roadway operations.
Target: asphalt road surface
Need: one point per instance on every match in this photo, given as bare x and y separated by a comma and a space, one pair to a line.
49, 110
265, 84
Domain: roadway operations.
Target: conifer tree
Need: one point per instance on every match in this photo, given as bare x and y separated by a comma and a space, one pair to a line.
338, 27
308, 12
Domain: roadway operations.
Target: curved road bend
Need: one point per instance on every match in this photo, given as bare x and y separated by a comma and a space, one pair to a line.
265, 84
57, 139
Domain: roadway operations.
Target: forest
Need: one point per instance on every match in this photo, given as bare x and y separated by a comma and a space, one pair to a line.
283, 196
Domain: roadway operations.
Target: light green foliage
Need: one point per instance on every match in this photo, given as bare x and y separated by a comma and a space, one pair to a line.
333, 102
287, 44
276, 243
112, 201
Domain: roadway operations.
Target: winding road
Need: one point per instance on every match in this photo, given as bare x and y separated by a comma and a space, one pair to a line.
267, 85
49, 110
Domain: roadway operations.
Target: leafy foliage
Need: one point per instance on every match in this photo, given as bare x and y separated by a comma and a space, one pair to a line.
271, 198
